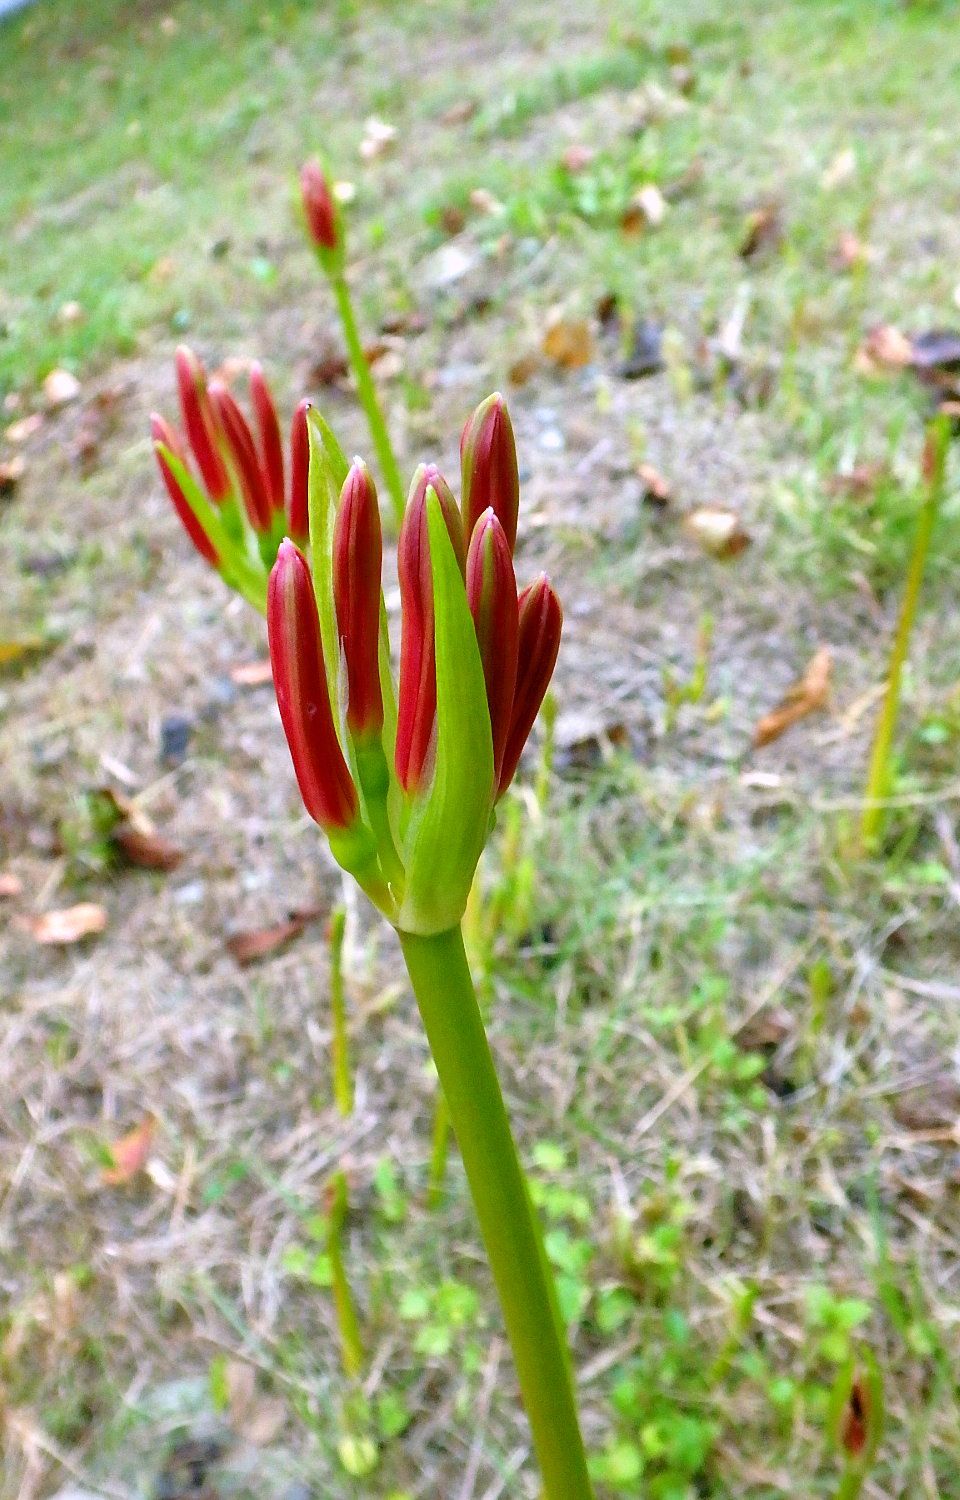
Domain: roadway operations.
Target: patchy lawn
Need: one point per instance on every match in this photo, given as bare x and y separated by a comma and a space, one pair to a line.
730, 1049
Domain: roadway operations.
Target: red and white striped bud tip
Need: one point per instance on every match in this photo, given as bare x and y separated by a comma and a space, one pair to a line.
243, 453
271, 443
319, 208
417, 692
200, 424
492, 597
300, 680
541, 621
488, 461
163, 437
357, 562
298, 510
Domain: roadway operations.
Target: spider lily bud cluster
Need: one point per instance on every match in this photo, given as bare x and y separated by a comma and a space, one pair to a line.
227, 477
404, 779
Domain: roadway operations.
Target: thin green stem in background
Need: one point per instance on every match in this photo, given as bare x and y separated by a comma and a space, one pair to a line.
439, 1150
367, 392
339, 1047
878, 776
451, 1016
351, 1344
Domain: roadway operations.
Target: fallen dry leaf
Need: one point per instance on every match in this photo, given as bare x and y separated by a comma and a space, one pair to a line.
68, 925
69, 314
130, 1153
763, 230
485, 203
453, 219
26, 428
851, 253
378, 138
935, 1106
252, 673
646, 351
577, 157
656, 489
718, 530
12, 471
146, 849
162, 270
858, 483
259, 942
60, 388
10, 885
17, 654
841, 169
460, 112
265, 1421
647, 209
884, 348
804, 697
523, 369
568, 342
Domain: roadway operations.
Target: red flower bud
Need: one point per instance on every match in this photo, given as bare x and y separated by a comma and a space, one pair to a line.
357, 560
271, 444
163, 435
492, 596
199, 422
319, 208
856, 1417
298, 512
243, 451
417, 693
296, 655
541, 620
488, 459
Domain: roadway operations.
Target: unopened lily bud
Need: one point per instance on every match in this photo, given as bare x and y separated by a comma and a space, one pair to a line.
163, 438
492, 597
300, 679
417, 695
243, 452
319, 207
357, 561
299, 505
200, 425
488, 459
853, 1432
271, 444
541, 621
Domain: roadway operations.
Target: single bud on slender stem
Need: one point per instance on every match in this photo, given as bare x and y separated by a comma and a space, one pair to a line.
488, 460
319, 207
298, 507
492, 597
244, 456
163, 436
271, 443
201, 427
357, 562
541, 621
300, 679
417, 695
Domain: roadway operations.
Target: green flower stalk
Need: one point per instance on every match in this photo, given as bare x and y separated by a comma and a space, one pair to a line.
404, 779
857, 1412
879, 775
324, 225
339, 1046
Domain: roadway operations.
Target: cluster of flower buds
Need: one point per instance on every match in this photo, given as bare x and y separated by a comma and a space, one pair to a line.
404, 779
235, 506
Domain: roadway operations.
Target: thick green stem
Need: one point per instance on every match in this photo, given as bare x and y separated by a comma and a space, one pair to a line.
878, 776
451, 1017
851, 1484
367, 392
